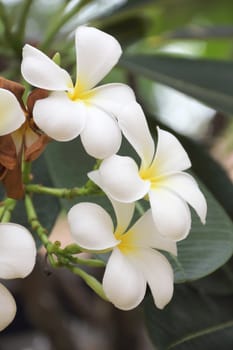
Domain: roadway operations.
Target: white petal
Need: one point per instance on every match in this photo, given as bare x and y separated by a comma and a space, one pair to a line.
40, 71
8, 307
59, 117
101, 136
120, 179
170, 155
123, 283
124, 211
91, 227
186, 187
96, 54
170, 213
134, 126
112, 97
145, 234
159, 275
12, 116
95, 177
17, 251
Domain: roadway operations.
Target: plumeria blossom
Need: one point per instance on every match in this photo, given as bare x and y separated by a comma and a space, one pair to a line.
133, 262
80, 109
160, 176
17, 259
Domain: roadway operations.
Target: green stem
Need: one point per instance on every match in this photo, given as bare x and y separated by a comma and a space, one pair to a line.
35, 224
9, 205
2, 209
61, 20
88, 262
64, 255
63, 192
26, 172
91, 281
62, 259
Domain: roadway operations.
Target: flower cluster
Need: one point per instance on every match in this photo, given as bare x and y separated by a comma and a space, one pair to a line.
62, 110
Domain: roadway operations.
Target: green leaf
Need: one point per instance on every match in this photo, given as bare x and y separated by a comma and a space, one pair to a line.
191, 321
218, 283
209, 81
207, 247
128, 30
211, 173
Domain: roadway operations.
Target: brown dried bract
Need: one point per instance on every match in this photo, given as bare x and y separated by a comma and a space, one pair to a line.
28, 141
10, 168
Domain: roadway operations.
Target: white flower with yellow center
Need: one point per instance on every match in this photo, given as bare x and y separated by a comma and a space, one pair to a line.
80, 109
160, 176
133, 262
17, 259
12, 115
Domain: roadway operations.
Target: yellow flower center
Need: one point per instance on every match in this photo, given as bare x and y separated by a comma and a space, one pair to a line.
127, 244
150, 175
78, 93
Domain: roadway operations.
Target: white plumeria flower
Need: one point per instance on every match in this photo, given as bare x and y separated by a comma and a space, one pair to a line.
12, 115
17, 259
160, 176
80, 109
133, 262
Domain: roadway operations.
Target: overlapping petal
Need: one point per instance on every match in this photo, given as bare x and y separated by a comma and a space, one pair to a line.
40, 71
170, 155
159, 275
134, 126
133, 261
112, 97
17, 251
120, 179
101, 136
145, 234
124, 213
96, 54
186, 187
8, 307
12, 115
170, 213
91, 227
72, 110
59, 117
123, 283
